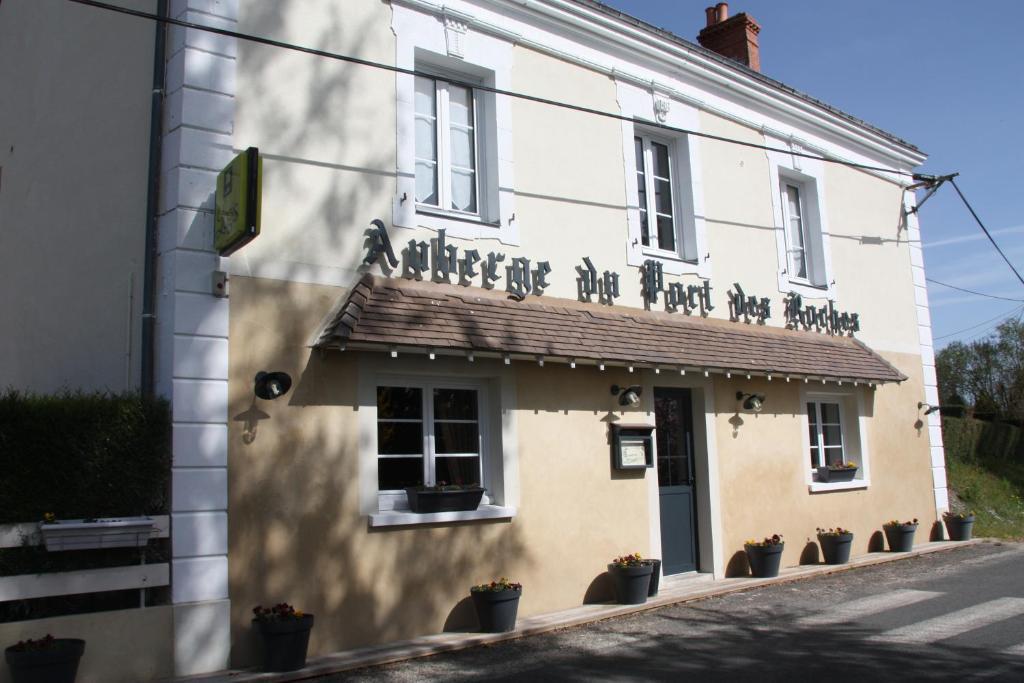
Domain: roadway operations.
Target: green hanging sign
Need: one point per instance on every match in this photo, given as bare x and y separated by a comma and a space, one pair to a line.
239, 191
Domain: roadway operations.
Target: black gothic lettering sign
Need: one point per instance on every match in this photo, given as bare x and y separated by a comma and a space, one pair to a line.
439, 261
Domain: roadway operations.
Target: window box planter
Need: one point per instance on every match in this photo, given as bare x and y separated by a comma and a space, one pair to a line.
56, 662
631, 583
424, 500
900, 536
959, 528
285, 642
88, 534
496, 610
834, 474
835, 548
764, 559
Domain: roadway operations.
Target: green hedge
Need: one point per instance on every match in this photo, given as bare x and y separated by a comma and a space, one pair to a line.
970, 440
83, 455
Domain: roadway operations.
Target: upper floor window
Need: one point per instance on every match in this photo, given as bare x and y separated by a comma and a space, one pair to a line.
447, 149
797, 238
654, 192
801, 228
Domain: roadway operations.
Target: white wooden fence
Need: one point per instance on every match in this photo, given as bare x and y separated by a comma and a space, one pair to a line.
26, 586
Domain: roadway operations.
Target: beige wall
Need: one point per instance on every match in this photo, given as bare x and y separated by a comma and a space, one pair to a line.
296, 532
74, 142
763, 469
120, 647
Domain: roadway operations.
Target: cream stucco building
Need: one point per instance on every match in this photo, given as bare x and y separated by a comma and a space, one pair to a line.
676, 178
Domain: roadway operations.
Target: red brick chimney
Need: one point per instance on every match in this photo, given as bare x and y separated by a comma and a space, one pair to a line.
735, 38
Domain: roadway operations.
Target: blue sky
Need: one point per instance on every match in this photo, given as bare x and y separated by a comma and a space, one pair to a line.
946, 76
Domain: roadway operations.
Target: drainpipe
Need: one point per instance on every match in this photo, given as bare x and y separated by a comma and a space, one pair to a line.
152, 206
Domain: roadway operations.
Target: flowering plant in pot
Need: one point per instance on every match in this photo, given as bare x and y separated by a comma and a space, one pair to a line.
900, 535
959, 525
496, 604
835, 544
285, 634
765, 556
45, 660
632, 577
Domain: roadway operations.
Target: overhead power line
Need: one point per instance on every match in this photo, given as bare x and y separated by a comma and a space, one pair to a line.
1013, 311
985, 230
497, 91
971, 291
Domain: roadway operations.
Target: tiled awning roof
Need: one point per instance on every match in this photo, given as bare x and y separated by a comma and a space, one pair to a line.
389, 313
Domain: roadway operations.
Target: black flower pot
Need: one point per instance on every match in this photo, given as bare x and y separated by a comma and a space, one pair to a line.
836, 548
631, 583
57, 663
285, 642
959, 528
764, 559
900, 537
496, 610
834, 474
652, 590
443, 501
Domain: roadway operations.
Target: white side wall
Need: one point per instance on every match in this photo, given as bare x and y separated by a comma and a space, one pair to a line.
74, 153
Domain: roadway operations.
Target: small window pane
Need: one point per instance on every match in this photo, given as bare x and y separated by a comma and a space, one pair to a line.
399, 403
426, 96
663, 197
641, 182
833, 456
666, 233
455, 404
426, 183
399, 438
456, 437
814, 457
831, 436
830, 413
793, 200
813, 433
397, 473
426, 139
460, 105
461, 471
462, 148
660, 161
812, 414
464, 190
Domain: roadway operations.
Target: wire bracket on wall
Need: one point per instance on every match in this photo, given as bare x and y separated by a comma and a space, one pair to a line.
932, 182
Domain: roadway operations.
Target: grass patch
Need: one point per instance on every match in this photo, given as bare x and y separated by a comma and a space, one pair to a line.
994, 490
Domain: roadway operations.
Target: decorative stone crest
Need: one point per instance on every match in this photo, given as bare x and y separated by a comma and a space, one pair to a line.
662, 104
455, 36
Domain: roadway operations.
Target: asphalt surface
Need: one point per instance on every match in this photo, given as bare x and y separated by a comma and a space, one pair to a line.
956, 615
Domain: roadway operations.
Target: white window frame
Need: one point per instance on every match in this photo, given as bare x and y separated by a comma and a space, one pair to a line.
691, 255
421, 45
808, 176
647, 141
818, 444
496, 388
806, 238
442, 140
854, 423
395, 499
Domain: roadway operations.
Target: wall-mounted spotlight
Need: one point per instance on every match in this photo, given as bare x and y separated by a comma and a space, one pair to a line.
628, 396
271, 385
928, 408
754, 402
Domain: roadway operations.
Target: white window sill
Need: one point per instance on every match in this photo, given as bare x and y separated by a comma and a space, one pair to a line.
821, 486
406, 518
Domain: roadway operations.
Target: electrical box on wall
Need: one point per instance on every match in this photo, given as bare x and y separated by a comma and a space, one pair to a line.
632, 446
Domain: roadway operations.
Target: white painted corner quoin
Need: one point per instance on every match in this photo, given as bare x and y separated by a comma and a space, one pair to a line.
192, 327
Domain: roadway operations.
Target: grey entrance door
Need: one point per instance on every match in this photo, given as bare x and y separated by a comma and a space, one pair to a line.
674, 420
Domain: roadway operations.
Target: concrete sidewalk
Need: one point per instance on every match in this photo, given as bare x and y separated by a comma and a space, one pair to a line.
674, 590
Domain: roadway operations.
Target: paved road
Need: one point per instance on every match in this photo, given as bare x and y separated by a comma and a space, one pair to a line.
955, 615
